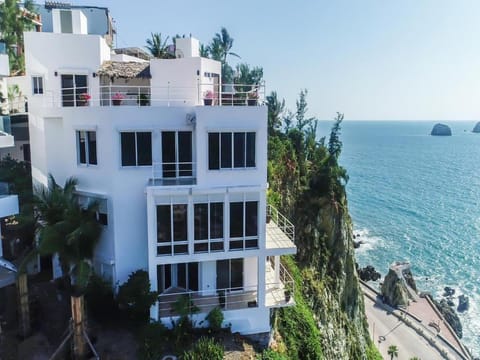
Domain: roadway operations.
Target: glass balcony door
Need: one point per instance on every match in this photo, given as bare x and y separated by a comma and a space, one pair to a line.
177, 154
230, 274
72, 87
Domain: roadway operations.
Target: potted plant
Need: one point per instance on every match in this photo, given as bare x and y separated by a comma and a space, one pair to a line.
83, 99
252, 98
208, 97
143, 100
117, 98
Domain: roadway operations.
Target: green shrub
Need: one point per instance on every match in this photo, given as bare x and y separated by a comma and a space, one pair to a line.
99, 298
270, 354
153, 341
215, 319
373, 353
205, 349
135, 296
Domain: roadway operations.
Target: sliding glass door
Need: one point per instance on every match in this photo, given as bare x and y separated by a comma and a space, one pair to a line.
230, 274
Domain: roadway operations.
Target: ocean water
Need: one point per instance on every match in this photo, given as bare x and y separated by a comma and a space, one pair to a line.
416, 197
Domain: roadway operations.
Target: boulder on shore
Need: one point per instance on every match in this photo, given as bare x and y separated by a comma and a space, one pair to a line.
394, 290
476, 129
368, 273
441, 130
450, 316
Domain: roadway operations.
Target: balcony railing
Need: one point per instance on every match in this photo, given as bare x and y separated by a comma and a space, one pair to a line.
173, 173
282, 222
170, 95
277, 294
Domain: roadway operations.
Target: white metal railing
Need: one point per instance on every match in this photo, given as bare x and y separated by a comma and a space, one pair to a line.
170, 95
282, 222
168, 172
226, 299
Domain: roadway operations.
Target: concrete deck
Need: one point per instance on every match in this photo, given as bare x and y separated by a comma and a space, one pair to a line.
278, 242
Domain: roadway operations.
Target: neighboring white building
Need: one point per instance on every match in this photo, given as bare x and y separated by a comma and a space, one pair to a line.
8, 202
182, 186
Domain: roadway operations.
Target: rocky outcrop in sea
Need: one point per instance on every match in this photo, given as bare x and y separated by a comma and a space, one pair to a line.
450, 316
395, 285
441, 130
476, 129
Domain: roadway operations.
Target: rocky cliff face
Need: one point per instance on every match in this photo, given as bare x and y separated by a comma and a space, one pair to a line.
325, 245
394, 290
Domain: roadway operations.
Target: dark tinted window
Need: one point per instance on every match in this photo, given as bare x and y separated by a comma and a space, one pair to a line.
92, 147
251, 149
82, 147
185, 153
179, 222
236, 219
201, 221
163, 224
251, 218
216, 220
239, 149
168, 154
213, 151
226, 150
144, 148
128, 149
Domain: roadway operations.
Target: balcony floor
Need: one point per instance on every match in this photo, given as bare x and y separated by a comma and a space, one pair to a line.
277, 241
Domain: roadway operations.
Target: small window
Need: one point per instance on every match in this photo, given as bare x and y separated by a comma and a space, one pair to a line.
87, 147
136, 148
37, 85
228, 150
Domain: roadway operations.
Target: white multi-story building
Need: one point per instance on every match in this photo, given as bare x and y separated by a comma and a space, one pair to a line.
182, 186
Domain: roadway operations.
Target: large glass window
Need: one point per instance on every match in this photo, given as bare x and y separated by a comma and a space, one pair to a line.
136, 148
177, 154
230, 274
183, 276
208, 227
87, 147
172, 229
228, 150
243, 225
72, 87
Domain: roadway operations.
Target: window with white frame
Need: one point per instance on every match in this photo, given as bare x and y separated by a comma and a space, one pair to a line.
136, 148
86, 147
227, 150
243, 222
172, 234
208, 225
37, 85
177, 154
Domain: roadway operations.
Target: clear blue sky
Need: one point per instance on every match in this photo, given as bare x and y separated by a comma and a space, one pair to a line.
371, 59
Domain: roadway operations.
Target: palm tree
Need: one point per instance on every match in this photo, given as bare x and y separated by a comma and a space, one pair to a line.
204, 52
157, 47
276, 108
392, 351
72, 232
221, 45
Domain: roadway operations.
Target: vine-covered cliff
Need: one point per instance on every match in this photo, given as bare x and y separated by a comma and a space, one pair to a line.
307, 183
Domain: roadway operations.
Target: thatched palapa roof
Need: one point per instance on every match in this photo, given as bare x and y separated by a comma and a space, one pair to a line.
125, 69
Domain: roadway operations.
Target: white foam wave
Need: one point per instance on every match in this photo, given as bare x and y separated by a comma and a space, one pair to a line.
367, 241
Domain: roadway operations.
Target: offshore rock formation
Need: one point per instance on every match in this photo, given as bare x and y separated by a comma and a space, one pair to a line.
441, 130
399, 286
450, 316
476, 129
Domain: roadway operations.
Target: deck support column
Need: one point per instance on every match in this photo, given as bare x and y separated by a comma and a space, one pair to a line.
277, 269
261, 281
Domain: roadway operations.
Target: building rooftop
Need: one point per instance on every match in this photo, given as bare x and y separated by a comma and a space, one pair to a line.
127, 70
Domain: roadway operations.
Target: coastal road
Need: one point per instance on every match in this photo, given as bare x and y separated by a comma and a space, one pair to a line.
390, 330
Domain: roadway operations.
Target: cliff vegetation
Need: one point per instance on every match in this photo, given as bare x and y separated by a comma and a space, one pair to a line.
308, 185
